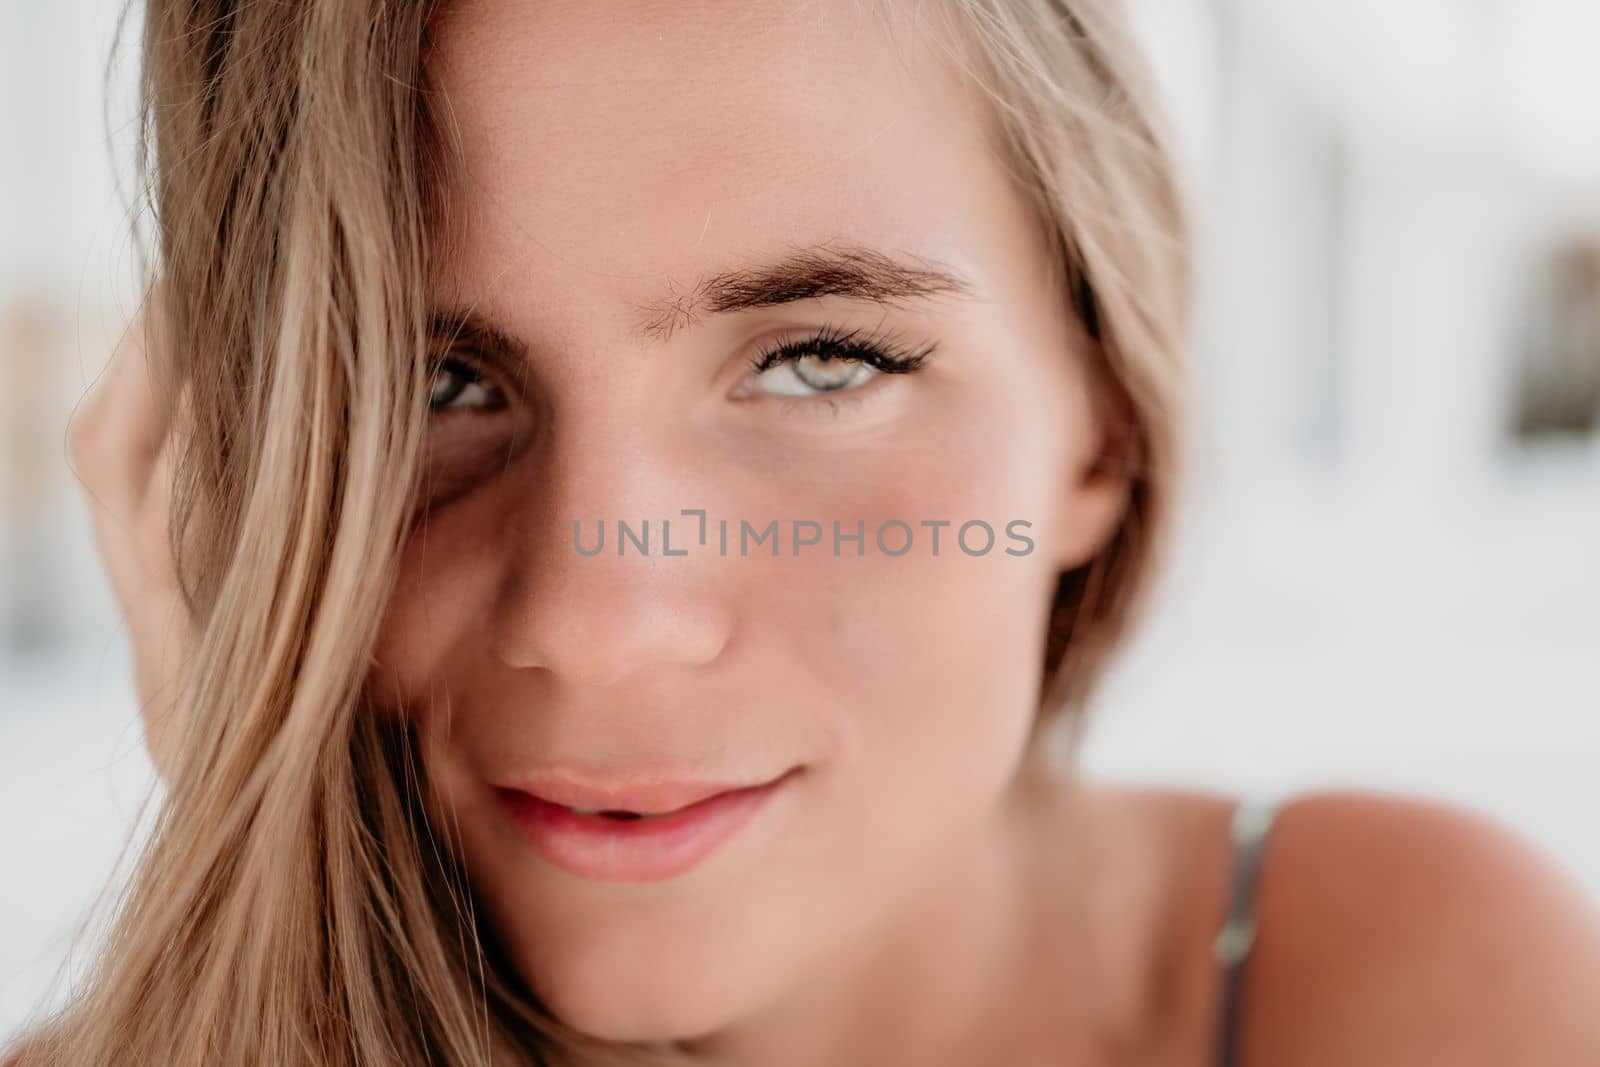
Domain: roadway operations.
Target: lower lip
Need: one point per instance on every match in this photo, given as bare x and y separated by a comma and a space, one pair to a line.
646, 849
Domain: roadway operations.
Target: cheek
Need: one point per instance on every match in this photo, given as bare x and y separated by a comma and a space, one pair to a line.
432, 631
931, 666
930, 661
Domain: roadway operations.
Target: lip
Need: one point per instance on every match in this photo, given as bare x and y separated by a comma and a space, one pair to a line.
693, 818
644, 796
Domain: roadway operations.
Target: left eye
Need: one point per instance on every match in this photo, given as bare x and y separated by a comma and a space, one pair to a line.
809, 375
456, 385
832, 361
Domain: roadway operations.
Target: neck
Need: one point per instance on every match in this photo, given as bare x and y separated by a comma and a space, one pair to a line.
952, 975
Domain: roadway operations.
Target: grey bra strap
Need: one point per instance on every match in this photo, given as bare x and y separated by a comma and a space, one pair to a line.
1252, 820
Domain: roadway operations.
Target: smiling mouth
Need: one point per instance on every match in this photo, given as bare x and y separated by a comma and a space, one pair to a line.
624, 800
621, 844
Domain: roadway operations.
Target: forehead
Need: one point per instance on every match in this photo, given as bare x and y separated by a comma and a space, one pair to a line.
621, 145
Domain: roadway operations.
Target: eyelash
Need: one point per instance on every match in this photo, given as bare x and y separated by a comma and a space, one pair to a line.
882, 354
831, 342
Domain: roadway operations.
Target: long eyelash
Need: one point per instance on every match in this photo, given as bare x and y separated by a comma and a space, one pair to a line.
882, 354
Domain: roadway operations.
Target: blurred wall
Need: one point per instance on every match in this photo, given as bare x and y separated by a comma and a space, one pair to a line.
71, 767
66, 283
1391, 575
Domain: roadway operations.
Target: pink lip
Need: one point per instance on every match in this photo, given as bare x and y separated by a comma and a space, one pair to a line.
698, 817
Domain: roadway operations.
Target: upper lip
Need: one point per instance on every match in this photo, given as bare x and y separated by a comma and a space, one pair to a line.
646, 795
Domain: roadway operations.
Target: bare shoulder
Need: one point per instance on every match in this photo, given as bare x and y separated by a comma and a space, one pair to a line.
1394, 930
1390, 931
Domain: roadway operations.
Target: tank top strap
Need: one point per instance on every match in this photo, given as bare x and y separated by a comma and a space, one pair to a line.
1251, 824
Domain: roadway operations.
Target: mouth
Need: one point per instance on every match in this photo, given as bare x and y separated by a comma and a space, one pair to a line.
666, 829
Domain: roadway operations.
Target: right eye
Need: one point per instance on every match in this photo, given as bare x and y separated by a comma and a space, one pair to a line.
457, 386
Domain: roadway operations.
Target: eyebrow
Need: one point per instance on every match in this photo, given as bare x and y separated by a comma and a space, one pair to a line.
837, 268
842, 269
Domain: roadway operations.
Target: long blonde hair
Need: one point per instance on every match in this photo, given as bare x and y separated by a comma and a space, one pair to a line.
299, 899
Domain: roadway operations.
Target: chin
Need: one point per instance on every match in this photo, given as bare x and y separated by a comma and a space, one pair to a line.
671, 1010
642, 990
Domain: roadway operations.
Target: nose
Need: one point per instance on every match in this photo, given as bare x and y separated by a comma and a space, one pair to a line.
596, 618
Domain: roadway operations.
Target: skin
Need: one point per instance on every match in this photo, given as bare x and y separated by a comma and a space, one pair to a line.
914, 897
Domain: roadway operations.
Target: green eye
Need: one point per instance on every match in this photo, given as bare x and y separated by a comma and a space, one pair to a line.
808, 375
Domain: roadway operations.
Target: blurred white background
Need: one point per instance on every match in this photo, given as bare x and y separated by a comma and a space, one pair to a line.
1390, 571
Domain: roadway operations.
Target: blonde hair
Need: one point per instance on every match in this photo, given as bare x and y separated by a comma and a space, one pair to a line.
300, 899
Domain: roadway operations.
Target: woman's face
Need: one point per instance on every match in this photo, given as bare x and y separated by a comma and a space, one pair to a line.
655, 196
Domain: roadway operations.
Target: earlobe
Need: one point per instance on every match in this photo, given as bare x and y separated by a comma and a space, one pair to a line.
1091, 512
1096, 495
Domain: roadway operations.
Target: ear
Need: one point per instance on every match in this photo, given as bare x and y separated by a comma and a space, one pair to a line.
1097, 478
